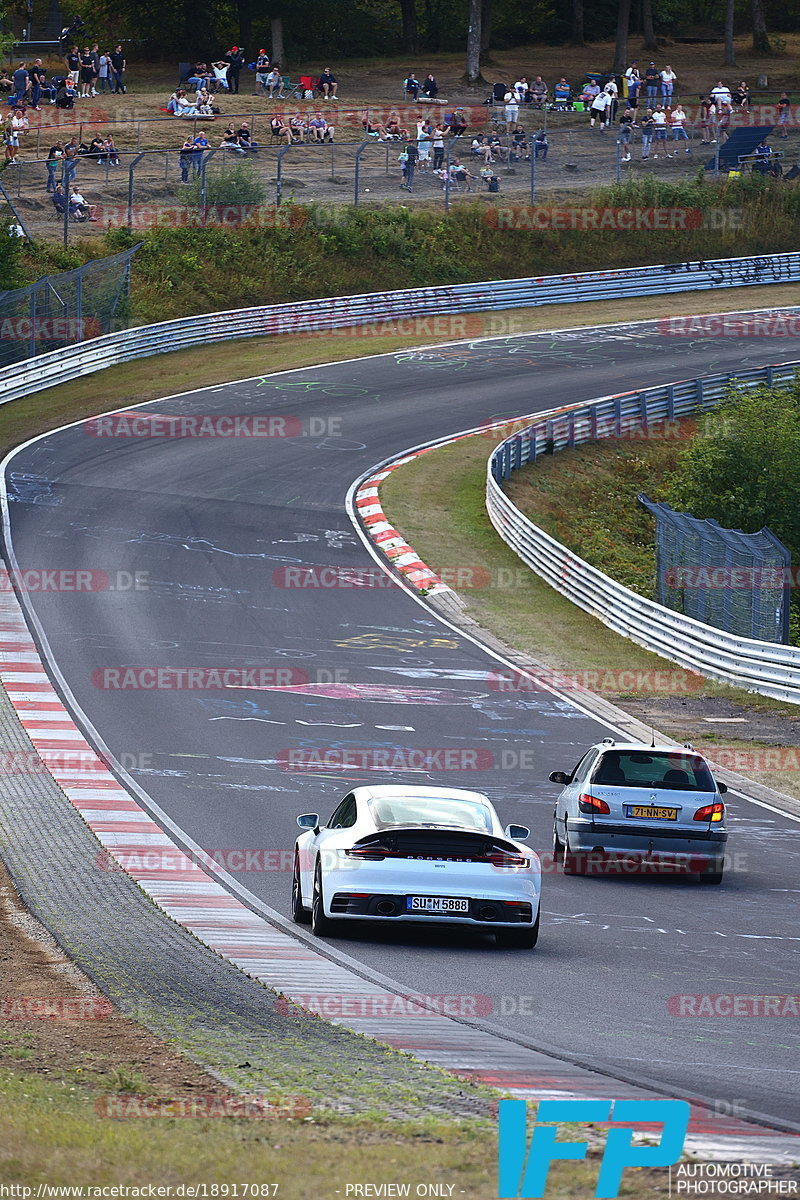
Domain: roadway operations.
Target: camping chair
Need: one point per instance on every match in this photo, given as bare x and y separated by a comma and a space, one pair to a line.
307, 84
292, 91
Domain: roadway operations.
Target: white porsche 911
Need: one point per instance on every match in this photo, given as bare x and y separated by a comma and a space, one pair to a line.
401, 853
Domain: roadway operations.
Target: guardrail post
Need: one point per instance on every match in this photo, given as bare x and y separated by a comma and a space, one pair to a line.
700, 397
670, 403
571, 429
448, 149
359, 152
769, 376
618, 416
134, 161
533, 174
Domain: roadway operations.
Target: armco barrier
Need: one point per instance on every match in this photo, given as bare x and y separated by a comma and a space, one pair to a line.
765, 667
341, 311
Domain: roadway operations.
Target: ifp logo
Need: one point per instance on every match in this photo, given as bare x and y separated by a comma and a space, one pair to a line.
522, 1172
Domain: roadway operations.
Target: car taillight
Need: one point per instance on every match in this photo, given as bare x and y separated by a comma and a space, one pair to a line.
710, 812
592, 804
506, 858
370, 853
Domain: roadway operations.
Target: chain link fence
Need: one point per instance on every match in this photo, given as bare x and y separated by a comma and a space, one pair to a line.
60, 310
739, 582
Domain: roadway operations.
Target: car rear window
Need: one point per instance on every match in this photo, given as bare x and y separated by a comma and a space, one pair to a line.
425, 810
680, 771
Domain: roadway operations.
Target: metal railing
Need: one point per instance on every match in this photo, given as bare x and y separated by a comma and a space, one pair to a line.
768, 668
340, 311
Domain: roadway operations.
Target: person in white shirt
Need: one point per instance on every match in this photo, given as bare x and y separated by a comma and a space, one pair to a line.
521, 89
677, 121
511, 109
634, 83
660, 129
721, 93
668, 78
601, 109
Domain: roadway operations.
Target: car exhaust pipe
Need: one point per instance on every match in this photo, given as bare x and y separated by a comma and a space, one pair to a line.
386, 908
488, 912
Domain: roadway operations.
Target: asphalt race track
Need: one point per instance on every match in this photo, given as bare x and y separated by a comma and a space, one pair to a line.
214, 522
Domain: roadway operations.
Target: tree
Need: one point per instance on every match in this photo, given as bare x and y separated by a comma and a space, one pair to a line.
623, 24
648, 30
474, 43
278, 49
577, 23
760, 37
410, 29
730, 51
487, 12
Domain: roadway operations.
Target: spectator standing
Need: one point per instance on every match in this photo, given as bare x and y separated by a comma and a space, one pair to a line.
54, 159
708, 118
784, 112
118, 69
626, 122
21, 80
634, 82
668, 81
186, 158
262, 72
424, 132
438, 148
38, 79
724, 113
511, 110
600, 109
677, 122
73, 64
412, 155
104, 72
648, 129
652, 81
327, 81
660, 130
235, 59
95, 53
87, 73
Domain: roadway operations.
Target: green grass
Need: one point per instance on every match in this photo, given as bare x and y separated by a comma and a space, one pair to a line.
345, 251
51, 1132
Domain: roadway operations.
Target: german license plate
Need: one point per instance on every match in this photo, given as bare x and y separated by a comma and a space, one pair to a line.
437, 904
649, 812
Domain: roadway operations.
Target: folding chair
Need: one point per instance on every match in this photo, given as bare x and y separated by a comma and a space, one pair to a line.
292, 91
307, 85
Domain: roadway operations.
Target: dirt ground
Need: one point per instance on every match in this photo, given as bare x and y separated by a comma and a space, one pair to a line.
85, 1042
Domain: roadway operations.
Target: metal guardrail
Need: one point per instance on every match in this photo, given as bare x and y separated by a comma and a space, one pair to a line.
765, 667
338, 312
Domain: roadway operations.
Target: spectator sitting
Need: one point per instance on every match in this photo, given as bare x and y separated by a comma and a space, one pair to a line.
721, 93
520, 147
66, 94
374, 128
329, 86
459, 174
540, 146
764, 162
59, 199
319, 130
299, 127
280, 129
482, 149
203, 103
412, 86
112, 154
180, 105
246, 138
200, 76
97, 149
741, 97
522, 90
230, 140
498, 149
562, 94
456, 122
538, 92
430, 87
394, 130
79, 210
220, 79
590, 90
6, 82
274, 84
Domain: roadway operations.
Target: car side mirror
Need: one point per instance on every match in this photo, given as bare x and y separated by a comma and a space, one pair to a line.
721, 787
559, 777
309, 821
517, 833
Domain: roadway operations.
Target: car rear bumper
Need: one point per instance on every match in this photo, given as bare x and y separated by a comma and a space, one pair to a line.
381, 906
586, 836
